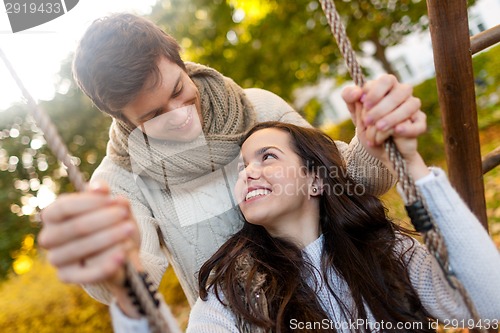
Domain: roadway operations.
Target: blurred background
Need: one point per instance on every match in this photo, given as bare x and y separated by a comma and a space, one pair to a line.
282, 46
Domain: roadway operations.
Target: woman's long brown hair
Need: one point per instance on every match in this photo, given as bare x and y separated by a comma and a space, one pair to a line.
360, 245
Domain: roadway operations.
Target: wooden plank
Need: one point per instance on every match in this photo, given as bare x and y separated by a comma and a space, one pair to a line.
485, 39
452, 58
491, 160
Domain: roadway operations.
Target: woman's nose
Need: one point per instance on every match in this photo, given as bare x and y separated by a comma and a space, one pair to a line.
253, 171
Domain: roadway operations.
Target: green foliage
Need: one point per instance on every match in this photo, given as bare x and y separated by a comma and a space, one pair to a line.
280, 45
344, 131
487, 78
15, 152
490, 140
27, 165
431, 144
311, 112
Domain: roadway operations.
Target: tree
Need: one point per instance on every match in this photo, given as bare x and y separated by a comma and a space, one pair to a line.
29, 172
383, 23
280, 45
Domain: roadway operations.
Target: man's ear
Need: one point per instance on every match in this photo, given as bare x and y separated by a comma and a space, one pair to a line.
316, 188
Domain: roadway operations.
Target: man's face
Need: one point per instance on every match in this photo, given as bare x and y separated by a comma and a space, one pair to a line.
169, 110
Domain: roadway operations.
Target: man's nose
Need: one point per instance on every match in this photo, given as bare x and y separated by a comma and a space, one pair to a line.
177, 116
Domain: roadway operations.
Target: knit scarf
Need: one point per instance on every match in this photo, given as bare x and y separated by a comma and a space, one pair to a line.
226, 116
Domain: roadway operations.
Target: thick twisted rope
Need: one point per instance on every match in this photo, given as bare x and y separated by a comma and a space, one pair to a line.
423, 222
54, 140
138, 286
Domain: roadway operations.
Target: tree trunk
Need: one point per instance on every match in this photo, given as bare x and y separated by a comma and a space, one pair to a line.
380, 56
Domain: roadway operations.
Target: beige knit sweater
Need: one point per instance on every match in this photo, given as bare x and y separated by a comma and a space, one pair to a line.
206, 215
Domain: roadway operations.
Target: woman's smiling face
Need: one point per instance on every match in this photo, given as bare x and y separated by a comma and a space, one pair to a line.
273, 187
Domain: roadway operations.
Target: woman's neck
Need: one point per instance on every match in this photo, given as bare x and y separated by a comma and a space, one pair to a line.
302, 230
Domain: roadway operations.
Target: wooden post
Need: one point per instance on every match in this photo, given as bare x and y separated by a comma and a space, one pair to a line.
455, 80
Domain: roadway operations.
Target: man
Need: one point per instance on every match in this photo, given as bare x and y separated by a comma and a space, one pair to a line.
170, 160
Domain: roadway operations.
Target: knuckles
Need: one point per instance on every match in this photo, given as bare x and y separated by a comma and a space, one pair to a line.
417, 102
406, 89
388, 79
44, 239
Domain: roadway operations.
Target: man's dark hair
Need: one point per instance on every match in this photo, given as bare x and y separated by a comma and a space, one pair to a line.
115, 57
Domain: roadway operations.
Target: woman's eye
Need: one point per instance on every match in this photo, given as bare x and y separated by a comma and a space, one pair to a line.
268, 156
241, 167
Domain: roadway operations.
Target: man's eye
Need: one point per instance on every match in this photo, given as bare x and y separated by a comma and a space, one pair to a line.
154, 115
241, 167
178, 91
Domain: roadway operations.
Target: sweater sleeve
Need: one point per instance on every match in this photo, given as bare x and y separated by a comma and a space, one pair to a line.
123, 324
473, 257
205, 317
123, 184
361, 166
211, 316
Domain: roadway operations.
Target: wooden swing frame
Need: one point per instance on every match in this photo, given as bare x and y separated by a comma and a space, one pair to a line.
453, 50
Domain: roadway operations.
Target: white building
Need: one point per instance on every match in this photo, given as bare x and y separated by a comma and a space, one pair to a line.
412, 59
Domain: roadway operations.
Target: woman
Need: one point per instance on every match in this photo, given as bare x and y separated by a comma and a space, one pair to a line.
316, 254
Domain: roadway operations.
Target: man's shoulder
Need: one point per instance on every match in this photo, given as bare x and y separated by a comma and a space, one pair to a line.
108, 169
259, 93
267, 105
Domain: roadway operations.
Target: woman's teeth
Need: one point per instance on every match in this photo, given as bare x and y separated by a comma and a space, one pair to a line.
255, 193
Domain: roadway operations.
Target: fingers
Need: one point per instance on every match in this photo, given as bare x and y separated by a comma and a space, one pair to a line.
409, 129
106, 266
384, 108
376, 90
375, 137
89, 235
69, 205
414, 128
363, 132
352, 96
383, 97
80, 226
83, 248
398, 114
407, 143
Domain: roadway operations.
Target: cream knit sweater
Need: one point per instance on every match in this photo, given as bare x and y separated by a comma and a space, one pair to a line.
473, 256
206, 214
